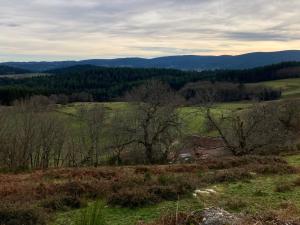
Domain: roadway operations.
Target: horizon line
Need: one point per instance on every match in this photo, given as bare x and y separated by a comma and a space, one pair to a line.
148, 58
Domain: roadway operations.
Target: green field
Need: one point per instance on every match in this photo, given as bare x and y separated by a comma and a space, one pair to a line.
193, 117
290, 87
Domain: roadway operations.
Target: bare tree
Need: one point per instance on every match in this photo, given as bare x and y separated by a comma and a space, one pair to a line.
93, 125
153, 121
262, 127
51, 138
33, 136
119, 139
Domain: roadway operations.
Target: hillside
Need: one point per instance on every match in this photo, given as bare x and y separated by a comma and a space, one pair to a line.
105, 84
8, 70
290, 87
185, 62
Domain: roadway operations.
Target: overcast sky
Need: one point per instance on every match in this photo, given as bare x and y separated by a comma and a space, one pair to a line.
81, 29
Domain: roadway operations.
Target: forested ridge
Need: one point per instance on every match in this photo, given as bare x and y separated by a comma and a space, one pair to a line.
8, 70
108, 83
181, 62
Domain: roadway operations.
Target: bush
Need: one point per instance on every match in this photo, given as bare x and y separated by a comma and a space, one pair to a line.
73, 188
180, 184
276, 168
164, 192
232, 162
127, 182
179, 218
141, 170
260, 193
229, 175
90, 189
22, 216
147, 176
63, 203
132, 198
297, 182
166, 179
284, 187
234, 204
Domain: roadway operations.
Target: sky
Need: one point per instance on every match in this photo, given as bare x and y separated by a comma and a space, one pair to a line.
37, 30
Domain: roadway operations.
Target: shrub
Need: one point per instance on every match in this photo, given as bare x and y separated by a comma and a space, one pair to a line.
284, 187
132, 198
164, 192
12, 216
147, 176
260, 193
179, 218
141, 170
288, 213
256, 164
89, 189
128, 182
229, 175
188, 184
92, 215
73, 188
297, 182
232, 162
275, 168
234, 204
185, 168
63, 203
182, 184
166, 179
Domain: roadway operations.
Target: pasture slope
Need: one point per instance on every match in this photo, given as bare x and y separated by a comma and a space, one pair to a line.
290, 87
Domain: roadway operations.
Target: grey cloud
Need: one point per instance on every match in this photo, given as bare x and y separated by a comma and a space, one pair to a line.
260, 36
149, 22
4, 24
173, 50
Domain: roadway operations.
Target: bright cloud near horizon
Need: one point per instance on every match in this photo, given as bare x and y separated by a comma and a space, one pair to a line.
34, 30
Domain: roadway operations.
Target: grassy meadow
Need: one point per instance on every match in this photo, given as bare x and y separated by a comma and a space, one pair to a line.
290, 87
192, 117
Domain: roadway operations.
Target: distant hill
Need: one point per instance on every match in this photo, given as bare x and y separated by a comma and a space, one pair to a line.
188, 62
8, 70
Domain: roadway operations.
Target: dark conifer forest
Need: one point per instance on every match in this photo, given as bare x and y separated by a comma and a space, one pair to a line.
104, 84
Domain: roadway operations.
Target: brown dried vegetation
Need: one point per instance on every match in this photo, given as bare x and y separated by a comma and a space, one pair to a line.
62, 189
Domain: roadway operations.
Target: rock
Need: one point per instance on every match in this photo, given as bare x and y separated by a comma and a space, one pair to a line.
211, 191
199, 192
204, 193
217, 216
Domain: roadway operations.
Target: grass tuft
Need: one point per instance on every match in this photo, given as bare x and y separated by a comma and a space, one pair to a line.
92, 215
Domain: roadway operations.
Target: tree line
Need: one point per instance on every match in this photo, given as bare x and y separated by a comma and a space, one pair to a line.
33, 135
105, 84
228, 92
8, 70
